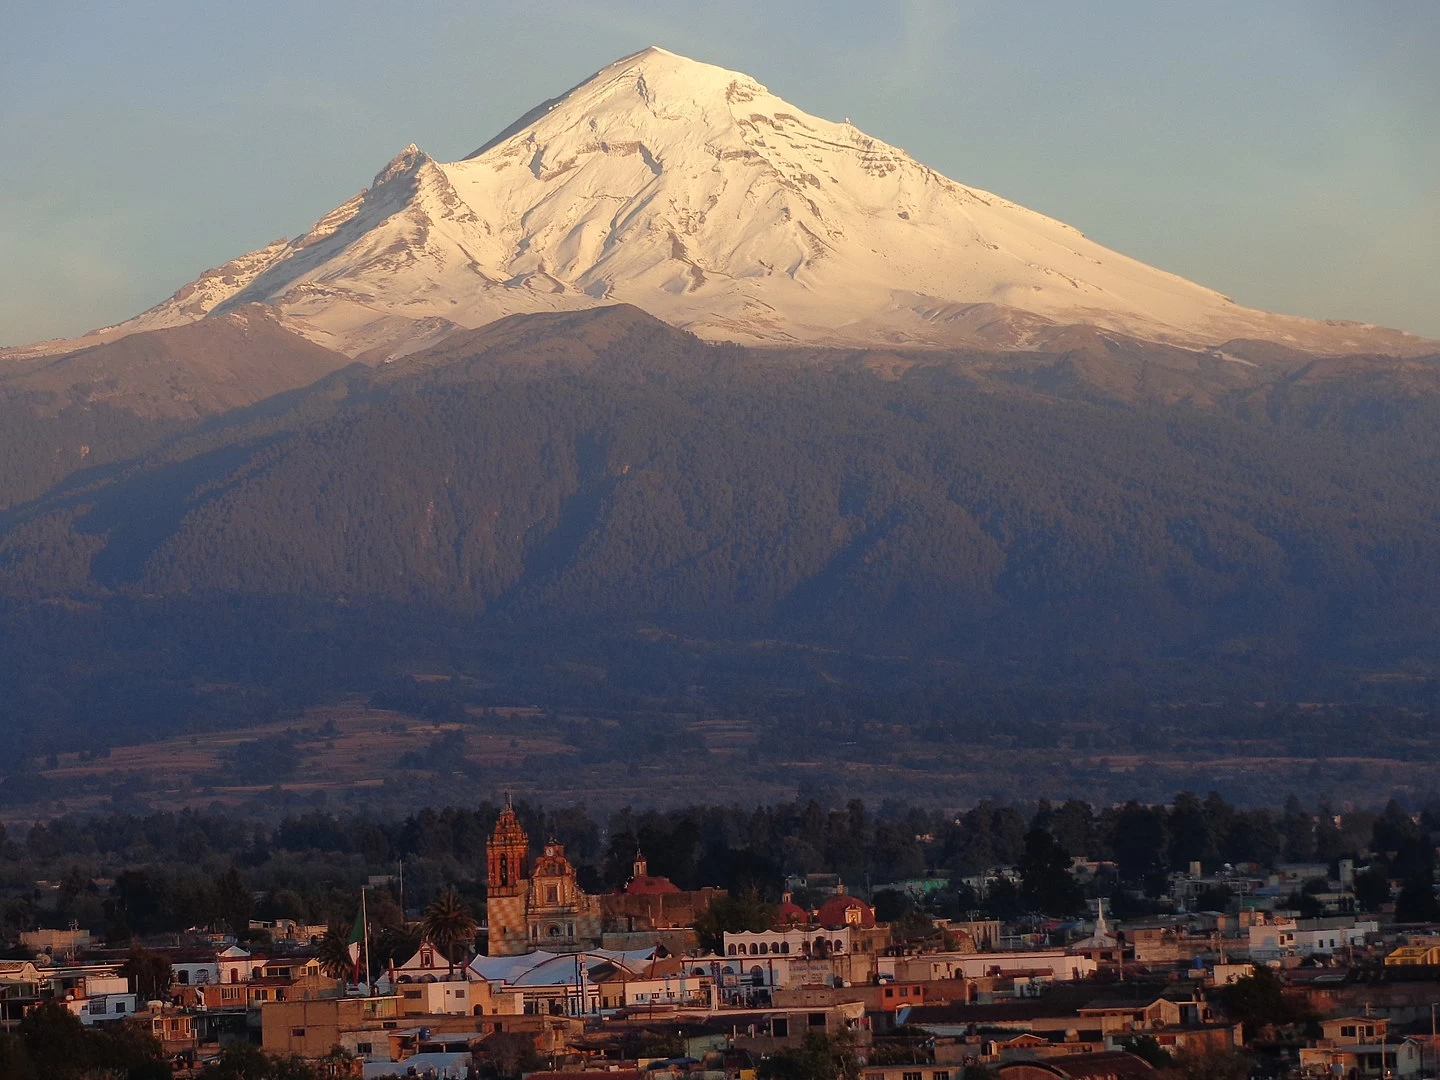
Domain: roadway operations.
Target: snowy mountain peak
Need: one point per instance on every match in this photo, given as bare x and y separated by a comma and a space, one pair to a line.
692, 192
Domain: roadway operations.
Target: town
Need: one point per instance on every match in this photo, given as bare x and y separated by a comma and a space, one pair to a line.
1209, 972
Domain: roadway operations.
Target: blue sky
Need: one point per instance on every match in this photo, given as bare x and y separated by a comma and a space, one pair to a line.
1284, 152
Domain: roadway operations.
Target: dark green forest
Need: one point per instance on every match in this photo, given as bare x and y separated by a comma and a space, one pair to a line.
950, 542
200, 868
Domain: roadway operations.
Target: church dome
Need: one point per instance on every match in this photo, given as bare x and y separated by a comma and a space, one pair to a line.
643, 883
841, 911
790, 913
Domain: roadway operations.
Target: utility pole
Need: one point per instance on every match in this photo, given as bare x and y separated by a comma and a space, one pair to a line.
1434, 1047
365, 922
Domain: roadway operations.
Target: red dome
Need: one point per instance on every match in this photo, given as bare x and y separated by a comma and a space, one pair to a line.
842, 911
648, 886
790, 913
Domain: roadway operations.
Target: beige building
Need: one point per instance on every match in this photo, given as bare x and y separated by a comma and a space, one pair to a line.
314, 1028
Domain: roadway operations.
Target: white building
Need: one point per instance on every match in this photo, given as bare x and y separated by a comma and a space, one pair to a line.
1056, 965
794, 941
99, 999
556, 984
1302, 937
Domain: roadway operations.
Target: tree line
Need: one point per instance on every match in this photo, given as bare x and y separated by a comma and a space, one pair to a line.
170, 871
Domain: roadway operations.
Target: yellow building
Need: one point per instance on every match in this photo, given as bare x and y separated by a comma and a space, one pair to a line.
1414, 956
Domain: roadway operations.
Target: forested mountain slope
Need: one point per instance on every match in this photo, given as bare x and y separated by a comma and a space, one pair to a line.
605, 466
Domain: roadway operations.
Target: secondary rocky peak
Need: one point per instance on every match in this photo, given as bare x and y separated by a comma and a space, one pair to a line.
407, 161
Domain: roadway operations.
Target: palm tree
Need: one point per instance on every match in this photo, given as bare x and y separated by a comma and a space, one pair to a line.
447, 924
333, 952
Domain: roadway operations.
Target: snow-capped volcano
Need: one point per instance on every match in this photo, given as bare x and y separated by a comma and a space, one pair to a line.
694, 193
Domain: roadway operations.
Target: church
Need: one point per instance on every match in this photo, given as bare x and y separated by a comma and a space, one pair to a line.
542, 907
539, 907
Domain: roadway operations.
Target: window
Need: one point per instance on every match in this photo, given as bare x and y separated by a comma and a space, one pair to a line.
297, 1033
785, 947
889, 991
1347, 1031
904, 991
552, 894
183, 977
119, 1006
365, 1048
412, 995
730, 950
816, 1020
97, 1006
940, 1074
780, 1028
910, 1076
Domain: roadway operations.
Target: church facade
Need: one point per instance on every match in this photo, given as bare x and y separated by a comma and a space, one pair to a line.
537, 906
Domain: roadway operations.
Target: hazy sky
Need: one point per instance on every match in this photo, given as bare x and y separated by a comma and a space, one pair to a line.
1286, 153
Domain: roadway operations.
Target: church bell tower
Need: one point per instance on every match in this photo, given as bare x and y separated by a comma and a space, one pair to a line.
507, 881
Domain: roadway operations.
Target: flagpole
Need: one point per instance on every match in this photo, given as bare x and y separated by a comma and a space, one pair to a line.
365, 922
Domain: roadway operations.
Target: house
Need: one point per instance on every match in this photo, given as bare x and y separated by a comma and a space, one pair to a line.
764, 1031
1390, 1060
172, 1028
313, 1028
290, 930
1049, 965
1414, 956
911, 1072
1303, 937
1349, 1029
21, 971
450, 996
100, 998
231, 965
55, 942
884, 997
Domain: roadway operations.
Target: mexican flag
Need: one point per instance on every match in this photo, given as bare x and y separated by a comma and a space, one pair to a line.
356, 941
